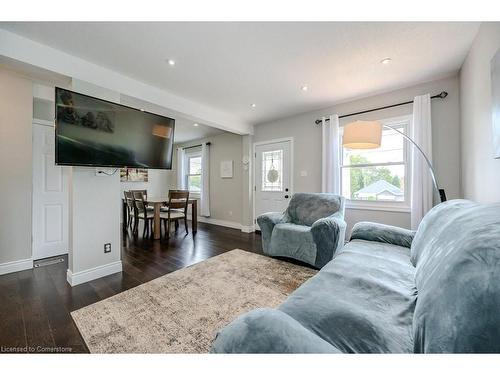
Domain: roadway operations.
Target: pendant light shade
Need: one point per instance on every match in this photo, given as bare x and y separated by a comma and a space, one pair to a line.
362, 135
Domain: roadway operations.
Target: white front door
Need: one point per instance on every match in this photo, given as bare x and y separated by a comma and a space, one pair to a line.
272, 177
50, 197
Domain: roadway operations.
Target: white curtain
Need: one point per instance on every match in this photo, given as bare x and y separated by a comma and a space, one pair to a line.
330, 168
181, 177
421, 180
205, 181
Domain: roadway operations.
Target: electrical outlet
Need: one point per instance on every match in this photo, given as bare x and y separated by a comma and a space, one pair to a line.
107, 248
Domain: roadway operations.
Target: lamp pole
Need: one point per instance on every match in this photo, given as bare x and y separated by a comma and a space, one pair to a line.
441, 193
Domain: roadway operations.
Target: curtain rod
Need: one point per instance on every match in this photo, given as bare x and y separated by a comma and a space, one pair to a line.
441, 95
201, 144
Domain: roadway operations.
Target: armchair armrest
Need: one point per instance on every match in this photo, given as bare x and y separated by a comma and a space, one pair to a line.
382, 233
328, 234
266, 223
268, 331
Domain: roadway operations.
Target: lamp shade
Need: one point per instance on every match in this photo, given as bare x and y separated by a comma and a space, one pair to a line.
362, 134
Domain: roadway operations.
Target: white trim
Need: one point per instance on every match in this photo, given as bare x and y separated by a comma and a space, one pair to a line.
222, 223
16, 266
378, 206
93, 273
247, 228
227, 224
38, 121
254, 165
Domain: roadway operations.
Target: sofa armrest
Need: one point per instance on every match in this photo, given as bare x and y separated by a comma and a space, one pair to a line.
329, 235
382, 233
268, 331
266, 223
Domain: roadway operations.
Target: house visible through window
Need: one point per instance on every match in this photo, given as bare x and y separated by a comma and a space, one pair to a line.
193, 172
379, 174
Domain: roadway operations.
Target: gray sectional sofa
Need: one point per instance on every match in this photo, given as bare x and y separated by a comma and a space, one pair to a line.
391, 290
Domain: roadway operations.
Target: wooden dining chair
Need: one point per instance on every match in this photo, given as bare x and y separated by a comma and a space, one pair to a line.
142, 213
144, 192
178, 201
131, 209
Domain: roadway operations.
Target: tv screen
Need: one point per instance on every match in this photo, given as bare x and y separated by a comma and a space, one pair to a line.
95, 132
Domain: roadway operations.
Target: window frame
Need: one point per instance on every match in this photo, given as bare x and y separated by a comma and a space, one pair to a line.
191, 154
403, 123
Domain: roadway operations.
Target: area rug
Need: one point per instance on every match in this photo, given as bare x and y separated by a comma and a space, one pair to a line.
182, 311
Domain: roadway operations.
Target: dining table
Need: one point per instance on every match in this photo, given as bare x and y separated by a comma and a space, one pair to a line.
157, 203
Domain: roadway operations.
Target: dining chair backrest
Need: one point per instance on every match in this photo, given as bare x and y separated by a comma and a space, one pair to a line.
178, 199
139, 201
144, 193
129, 199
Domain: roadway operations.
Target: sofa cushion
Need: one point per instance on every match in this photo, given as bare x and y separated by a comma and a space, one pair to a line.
294, 241
362, 301
457, 252
306, 208
433, 224
368, 231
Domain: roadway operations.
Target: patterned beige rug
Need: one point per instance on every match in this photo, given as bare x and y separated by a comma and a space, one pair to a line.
181, 311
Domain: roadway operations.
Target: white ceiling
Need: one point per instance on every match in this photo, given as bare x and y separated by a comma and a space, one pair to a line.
228, 66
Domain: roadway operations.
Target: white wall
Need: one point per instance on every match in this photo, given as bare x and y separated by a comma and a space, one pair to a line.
95, 220
480, 171
307, 136
225, 193
16, 102
157, 184
94, 214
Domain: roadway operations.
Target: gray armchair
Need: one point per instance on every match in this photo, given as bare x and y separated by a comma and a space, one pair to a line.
311, 229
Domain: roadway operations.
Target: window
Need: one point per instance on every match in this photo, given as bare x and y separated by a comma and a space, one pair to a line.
272, 171
378, 177
193, 172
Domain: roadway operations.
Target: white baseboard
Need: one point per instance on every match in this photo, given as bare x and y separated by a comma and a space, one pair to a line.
16, 266
93, 273
247, 228
225, 223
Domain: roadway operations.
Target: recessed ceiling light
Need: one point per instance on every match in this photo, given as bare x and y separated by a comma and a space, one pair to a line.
171, 62
253, 105
304, 88
195, 124
386, 61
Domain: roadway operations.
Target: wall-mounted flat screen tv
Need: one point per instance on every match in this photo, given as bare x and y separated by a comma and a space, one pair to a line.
95, 132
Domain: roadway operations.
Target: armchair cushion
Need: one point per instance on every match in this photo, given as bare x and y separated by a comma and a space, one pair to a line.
382, 233
306, 208
294, 241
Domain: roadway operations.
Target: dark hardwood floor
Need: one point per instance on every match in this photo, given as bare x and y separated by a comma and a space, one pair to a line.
35, 305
